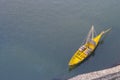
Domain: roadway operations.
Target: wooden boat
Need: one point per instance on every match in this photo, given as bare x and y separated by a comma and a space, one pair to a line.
87, 48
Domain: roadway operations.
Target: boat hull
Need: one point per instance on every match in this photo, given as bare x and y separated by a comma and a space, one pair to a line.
80, 56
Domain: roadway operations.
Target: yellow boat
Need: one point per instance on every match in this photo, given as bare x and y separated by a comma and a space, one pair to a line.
87, 48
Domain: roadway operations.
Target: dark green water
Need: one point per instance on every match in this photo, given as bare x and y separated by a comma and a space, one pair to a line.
38, 37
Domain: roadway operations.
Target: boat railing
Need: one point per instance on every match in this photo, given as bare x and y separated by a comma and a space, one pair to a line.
82, 48
88, 51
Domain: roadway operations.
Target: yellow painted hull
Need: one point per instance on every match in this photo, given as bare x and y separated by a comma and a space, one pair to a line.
80, 56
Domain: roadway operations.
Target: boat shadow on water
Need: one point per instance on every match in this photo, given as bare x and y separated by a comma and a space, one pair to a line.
93, 54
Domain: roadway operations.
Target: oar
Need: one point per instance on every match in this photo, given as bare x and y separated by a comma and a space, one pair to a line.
106, 31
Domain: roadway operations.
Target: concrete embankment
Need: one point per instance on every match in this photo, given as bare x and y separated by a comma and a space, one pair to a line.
106, 74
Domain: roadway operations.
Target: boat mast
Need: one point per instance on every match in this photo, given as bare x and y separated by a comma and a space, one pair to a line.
92, 31
90, 34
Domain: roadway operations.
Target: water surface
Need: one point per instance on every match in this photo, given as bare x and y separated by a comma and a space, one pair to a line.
38, 37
